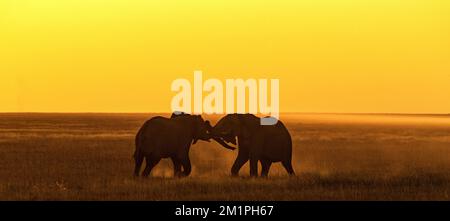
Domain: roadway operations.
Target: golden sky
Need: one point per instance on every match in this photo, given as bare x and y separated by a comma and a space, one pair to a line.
122, 55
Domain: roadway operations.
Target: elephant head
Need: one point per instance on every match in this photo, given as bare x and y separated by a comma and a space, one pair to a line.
203, 130
200, 127
232, 126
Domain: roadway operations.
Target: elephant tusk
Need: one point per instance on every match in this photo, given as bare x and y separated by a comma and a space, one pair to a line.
221, 142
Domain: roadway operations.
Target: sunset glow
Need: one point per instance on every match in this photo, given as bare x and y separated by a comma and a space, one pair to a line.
390, 56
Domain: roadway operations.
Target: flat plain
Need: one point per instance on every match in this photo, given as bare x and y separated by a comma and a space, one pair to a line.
336, 157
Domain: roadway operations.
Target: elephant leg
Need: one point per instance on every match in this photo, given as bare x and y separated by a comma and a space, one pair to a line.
265, 167
151, 162
253, 167
176, 167
240, 161
288, 166
187, 166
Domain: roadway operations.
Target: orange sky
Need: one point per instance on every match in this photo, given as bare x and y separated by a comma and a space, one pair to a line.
121, 56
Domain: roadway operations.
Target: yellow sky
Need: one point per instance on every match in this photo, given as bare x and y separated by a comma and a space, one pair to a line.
121, 56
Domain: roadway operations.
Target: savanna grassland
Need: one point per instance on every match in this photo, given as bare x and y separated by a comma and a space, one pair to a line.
336, 157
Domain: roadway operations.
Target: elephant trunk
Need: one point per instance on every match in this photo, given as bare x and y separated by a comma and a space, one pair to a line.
223, 143
217, 138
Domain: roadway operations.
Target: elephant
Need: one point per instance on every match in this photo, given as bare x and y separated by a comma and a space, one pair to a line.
209, 128
258, 143
162, 137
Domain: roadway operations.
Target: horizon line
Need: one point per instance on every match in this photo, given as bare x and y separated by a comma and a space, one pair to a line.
157, 112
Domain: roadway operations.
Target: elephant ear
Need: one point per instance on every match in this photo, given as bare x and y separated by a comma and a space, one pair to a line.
195, 127
244, 126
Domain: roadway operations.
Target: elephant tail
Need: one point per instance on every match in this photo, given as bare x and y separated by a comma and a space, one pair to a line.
138, 145
138, 157
137, 154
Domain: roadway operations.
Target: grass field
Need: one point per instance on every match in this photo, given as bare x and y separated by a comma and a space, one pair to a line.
336, 157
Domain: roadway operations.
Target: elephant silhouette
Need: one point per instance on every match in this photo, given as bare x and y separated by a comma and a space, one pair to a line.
258, 143
209, 128
171, 138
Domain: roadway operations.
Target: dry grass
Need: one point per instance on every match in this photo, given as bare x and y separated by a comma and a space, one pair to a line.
337, 157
